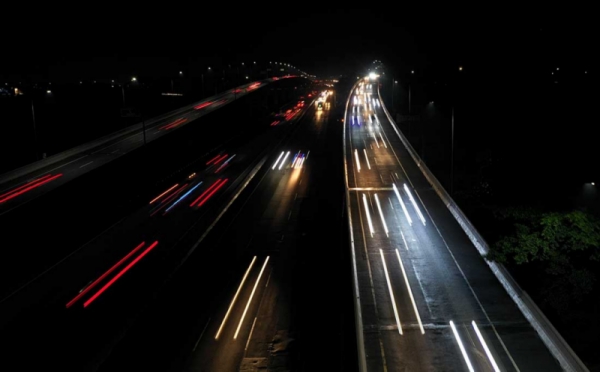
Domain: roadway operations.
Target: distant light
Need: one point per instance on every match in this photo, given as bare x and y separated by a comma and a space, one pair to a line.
112, 81
180, 72
557, 69
246, 77
586, 72
396, 81
254, 62
209, 67
460, 68
242, 63
80, 82
373, 76
94, 81
134, 79
48, 91
270, 62
593, 184
412, 72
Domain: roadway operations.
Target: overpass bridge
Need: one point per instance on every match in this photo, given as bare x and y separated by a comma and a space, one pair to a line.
425, 298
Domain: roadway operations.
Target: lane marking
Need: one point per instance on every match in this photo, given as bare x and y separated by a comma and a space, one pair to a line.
201, 334
86, 164
72, 161
250, 335
387, 278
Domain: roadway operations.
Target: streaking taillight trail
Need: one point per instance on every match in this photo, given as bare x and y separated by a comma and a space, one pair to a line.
209, 192
87, 289
174, 124
27, 187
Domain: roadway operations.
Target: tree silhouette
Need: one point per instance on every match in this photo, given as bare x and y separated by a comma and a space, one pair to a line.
561, 248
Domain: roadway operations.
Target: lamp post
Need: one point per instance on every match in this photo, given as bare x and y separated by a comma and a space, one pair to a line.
452, 147
35, 144
452, 157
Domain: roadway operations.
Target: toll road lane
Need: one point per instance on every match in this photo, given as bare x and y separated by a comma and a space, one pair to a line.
223, 288
107, 281
419, 308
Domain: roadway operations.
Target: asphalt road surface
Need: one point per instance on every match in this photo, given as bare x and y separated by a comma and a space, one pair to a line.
266, 292
429, 301
72, 316
22, 189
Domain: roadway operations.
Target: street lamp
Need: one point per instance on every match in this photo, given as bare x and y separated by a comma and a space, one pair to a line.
452, 157
394, 82
35, 139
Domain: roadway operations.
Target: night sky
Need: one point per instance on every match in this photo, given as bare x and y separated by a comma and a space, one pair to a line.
91, 43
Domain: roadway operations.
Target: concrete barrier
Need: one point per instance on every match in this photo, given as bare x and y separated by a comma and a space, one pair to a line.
559, 348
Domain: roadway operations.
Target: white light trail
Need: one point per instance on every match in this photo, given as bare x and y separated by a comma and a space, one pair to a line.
382, 140
462, 347
412, 299
357, 160
485, 347
376, 142
283, 160
296, 159
381, 215
387, 277
368, 215
415, 204
300, 163
279, 158
366, 157
235, 298
250, 299
402, 204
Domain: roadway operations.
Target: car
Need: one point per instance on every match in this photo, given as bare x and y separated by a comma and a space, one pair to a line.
320, 106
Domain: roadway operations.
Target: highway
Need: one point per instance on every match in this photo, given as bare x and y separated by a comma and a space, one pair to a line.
15, 191
428, 300
73, 315
260, 297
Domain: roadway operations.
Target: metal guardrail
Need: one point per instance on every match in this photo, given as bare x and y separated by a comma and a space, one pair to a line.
559, 348
114, 136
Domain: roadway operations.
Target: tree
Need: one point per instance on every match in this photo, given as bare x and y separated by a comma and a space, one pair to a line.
565, 247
